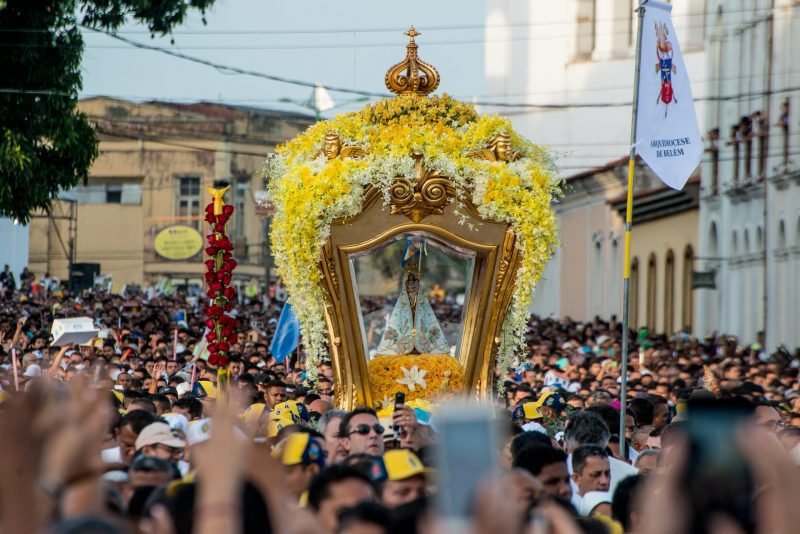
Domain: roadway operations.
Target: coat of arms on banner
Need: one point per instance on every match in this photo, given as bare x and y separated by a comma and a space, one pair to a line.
665, 65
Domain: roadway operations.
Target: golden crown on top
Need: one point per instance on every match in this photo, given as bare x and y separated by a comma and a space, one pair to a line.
412, 75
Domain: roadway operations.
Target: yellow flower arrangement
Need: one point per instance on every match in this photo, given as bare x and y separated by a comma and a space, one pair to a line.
441, 377
309, 192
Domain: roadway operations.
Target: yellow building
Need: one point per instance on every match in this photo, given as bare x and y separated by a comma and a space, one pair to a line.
663, 249
141, 214
584, 277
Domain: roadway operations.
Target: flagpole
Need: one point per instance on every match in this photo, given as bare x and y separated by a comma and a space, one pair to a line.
626, 283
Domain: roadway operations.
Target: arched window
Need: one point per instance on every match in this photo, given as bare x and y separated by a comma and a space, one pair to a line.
587, 28
669, 292
633, 22
686, 288
651, 293
797, 233
634, 308
735, 243
713, 242
759, 238
746, 242
781, 235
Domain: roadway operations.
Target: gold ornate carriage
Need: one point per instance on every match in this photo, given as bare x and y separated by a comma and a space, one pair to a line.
414, 184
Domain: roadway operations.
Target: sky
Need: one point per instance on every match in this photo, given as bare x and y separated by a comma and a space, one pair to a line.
348, 43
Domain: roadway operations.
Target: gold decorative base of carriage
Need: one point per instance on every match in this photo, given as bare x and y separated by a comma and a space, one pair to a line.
419, 376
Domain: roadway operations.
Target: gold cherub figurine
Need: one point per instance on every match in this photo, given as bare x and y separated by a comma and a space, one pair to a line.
334, 147
498, 150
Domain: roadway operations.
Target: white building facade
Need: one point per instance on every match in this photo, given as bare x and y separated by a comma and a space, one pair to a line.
572, 63
750, 200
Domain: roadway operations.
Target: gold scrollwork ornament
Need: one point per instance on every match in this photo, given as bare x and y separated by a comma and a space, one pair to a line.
505, 259
428, 195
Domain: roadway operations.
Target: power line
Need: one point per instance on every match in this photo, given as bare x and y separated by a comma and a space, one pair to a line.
236, 70
392, 29
156, 139
352, 45
193, 99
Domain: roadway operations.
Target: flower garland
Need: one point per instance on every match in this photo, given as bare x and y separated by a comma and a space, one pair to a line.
309, 192
219, 271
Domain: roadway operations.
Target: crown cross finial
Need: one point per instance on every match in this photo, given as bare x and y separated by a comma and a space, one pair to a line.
412, 75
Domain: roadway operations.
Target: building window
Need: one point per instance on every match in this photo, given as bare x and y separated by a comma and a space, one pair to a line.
783, 122
239, 197
669, 292
113, 193
734, 142
761, 133
587, 28
110, 193
633, 21
688, 303
713, 240
188, 204
634, 297
759, 238
713, 150
781, 235
797, 233
651, 293
746, 242
746, 137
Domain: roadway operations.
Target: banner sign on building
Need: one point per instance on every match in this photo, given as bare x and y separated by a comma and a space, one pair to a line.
178, 242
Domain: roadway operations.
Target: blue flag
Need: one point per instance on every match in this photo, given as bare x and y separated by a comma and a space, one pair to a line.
287, 334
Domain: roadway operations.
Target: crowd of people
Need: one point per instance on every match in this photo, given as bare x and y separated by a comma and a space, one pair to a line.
132, 432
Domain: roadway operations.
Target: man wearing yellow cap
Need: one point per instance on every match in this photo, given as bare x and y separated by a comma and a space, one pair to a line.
545, 415
287, 414
303, 457
404, 477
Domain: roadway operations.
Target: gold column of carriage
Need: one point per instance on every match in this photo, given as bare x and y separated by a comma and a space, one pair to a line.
410, 235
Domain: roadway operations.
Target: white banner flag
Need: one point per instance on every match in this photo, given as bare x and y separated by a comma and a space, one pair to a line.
667, 135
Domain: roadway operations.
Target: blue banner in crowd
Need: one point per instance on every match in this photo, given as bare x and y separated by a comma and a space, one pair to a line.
287, 334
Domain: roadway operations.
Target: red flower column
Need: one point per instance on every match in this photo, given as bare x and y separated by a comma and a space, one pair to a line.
220, 265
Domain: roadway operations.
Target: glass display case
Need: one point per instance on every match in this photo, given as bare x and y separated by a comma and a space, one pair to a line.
417, 300
410, 295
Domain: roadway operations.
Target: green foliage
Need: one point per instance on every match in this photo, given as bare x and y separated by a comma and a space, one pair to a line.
46, 145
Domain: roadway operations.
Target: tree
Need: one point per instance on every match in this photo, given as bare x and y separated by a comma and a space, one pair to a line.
46, 145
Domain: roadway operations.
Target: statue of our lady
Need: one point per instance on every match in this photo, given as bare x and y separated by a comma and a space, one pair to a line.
412, 327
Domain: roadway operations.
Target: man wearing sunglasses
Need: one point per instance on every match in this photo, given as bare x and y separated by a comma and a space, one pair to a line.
361, 432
